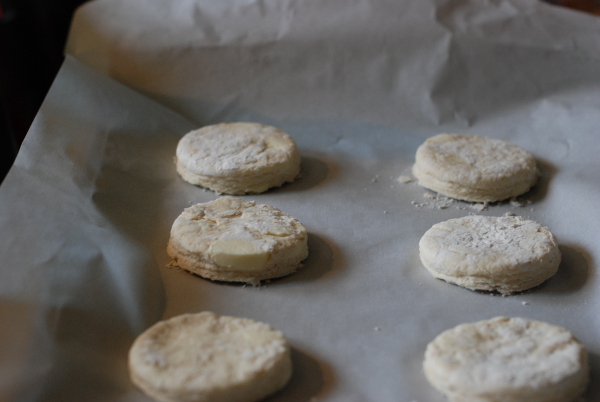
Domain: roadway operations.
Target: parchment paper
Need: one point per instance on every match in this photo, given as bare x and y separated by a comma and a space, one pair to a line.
86, 210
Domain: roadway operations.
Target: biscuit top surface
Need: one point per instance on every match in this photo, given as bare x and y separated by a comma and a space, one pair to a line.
225, 219
505, 241
472, 160
224, 149
205, 350
504, 352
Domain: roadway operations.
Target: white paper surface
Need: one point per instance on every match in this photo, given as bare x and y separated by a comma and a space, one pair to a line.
87, 208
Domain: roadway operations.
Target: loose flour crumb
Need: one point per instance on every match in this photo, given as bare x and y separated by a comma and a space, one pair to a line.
515, 203
480, 206
434, 201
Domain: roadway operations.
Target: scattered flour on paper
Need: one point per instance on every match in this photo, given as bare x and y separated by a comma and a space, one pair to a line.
438, 201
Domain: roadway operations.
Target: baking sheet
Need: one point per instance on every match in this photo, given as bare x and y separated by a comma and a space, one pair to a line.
86, 210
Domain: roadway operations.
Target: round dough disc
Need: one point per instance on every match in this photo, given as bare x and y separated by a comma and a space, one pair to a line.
204, 357
238, 158
474, 168
507, 360
507, 254
230, 239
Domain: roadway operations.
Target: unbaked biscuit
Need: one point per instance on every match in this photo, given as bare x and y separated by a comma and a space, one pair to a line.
209, 358
238, 158
474, 168
507, 254
230, 239
507, 360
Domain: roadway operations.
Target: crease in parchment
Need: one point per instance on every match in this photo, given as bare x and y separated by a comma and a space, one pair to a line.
521, 24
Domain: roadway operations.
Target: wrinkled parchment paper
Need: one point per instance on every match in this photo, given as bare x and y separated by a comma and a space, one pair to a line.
86, 210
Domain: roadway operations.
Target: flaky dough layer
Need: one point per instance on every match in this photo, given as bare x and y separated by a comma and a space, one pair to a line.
205, 357
473, 168
230, 239
506, 254
238, 158
507, 360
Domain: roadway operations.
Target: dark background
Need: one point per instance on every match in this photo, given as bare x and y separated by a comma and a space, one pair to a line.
32, 40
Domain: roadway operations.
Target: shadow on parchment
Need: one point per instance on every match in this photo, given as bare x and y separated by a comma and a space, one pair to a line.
311, 378
572, 274
540, 190
313, 172
323, 257
592, 393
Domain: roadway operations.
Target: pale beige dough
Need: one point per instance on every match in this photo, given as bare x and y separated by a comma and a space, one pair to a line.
238, 158
205, 357
507, 360
230, 239
507, 254
473, 168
